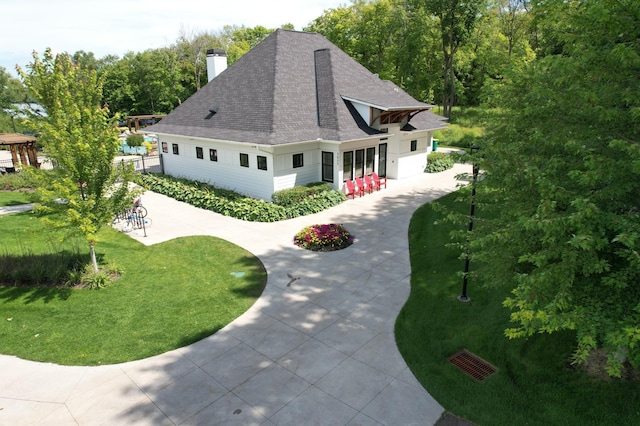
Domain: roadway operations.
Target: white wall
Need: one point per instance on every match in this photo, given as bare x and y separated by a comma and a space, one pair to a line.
226, 172
280, 174
412, 163
286, 176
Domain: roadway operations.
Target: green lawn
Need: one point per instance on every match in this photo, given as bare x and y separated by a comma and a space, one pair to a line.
13, 198
534, 383
169, 295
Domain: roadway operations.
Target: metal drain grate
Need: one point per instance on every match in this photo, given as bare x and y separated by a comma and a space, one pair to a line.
472, 365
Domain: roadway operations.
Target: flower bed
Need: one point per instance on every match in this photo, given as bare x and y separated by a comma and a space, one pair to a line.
329, 237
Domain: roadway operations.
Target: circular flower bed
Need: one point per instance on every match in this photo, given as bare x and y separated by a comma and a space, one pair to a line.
323, 237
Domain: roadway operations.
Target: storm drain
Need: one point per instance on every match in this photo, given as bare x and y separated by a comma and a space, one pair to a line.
472, 365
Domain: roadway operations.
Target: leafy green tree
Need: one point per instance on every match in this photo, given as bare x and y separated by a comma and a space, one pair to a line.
118, 88
562, 174
457, 19
12, 92
498, 42
79, 135
192, 53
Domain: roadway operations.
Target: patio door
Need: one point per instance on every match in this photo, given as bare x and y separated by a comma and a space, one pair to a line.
327, 166
382, 160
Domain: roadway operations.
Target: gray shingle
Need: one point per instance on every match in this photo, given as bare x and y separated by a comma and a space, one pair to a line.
287, 89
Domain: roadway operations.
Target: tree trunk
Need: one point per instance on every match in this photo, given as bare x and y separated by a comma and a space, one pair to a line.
94, 261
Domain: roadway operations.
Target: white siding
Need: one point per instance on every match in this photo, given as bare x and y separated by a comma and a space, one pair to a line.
224, 173
412, 163
280, 174
288, 177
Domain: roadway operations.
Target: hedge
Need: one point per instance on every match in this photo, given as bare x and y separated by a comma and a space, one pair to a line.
230, 203
439, 162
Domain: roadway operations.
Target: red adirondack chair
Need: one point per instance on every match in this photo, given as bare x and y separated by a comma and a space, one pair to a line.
370, 183
351, 189
362, 188
378, 180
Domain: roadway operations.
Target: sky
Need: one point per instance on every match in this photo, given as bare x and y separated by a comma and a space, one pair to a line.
118, 26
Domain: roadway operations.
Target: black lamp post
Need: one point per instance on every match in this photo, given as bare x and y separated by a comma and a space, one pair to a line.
463, 296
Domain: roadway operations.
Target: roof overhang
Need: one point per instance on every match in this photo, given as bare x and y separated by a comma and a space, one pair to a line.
415, 107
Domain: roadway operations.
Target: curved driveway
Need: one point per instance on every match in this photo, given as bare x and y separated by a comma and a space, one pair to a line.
316, 350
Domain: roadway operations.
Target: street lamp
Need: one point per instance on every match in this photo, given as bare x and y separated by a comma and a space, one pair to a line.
463, 296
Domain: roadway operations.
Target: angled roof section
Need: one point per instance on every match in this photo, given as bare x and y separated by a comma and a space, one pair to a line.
292, 87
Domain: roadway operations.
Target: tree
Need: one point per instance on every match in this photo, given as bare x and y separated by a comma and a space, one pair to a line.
11, 92
562, 172
192, 49
457, 19
80, 136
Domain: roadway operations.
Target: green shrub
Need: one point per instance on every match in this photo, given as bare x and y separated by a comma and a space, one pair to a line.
439, 162
15, 181
230, 203
135, 139
291, 196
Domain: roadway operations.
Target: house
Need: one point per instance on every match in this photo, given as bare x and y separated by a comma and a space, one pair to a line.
294, 109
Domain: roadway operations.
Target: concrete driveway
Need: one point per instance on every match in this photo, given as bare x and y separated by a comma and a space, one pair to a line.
316, 351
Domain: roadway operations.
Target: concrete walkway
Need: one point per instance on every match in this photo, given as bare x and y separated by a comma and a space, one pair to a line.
316, 351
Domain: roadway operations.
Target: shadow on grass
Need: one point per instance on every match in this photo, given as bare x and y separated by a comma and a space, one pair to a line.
34, 294
36, 277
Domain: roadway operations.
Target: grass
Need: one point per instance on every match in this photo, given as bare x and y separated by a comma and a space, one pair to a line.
169, 295
466, 127
534, 383
13, 198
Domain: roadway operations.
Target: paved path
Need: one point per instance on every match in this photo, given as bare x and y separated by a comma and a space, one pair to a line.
320, 351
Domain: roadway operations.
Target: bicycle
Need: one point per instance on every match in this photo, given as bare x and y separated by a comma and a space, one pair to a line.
139, 208
133, 218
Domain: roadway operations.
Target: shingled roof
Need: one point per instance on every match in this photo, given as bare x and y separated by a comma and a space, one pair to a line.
292, 87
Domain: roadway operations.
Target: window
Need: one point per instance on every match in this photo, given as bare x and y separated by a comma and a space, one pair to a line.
359, 163
213, 154
174, 146
199, 153
297, 161
262, 162
165, 149
244, 160
414, 145
370, 155
347, 165
327, 166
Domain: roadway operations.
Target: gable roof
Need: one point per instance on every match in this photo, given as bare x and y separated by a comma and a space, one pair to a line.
292, 87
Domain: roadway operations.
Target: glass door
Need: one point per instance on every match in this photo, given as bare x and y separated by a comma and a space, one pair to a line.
382, 160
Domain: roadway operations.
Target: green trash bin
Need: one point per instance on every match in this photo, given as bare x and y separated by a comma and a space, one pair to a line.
434, 145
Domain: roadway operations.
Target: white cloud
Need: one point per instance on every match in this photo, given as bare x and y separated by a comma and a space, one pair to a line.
118, 26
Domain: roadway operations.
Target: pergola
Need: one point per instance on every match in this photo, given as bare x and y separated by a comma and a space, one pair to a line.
23, 148
136, 119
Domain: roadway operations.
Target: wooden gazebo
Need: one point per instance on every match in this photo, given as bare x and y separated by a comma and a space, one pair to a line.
23, 149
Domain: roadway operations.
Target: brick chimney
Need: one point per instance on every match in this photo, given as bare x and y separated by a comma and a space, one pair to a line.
216, 62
